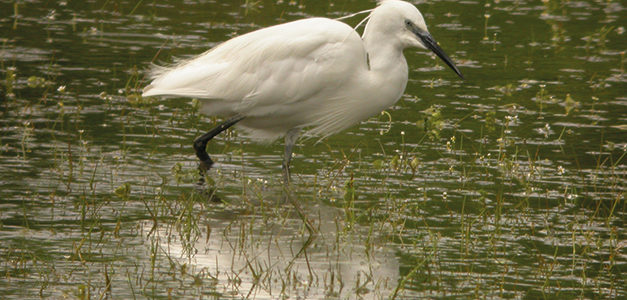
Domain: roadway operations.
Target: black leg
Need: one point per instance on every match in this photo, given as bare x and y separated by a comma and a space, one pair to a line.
200, 143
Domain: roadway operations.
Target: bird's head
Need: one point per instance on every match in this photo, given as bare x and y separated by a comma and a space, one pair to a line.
404, 20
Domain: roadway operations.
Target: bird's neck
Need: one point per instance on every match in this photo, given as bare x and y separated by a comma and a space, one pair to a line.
388, 72
384, 56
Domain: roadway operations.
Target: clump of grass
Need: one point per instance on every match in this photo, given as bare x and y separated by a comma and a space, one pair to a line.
570, 104
598, 39
349, 202
251, 6
9, 81
16, 14
432, 122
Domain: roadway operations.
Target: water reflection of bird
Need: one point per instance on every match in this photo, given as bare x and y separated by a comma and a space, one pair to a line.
316, 75
344, 264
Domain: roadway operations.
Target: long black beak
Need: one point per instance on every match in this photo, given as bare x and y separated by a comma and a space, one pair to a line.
430, 43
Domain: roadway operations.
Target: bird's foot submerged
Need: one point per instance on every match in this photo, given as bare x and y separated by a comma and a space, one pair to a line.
204, 166
200, 143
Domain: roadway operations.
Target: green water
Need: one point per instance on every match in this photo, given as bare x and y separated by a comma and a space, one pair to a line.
508, 184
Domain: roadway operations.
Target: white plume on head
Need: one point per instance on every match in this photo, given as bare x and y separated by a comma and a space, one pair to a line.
364, 20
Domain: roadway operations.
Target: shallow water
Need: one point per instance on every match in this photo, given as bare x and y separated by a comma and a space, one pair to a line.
509, 183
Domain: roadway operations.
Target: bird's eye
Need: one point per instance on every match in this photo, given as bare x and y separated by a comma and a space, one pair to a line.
408, 23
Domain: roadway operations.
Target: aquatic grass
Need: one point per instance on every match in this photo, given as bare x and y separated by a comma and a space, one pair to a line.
486, 16
9, 81
251, 6
599, 38
16, 14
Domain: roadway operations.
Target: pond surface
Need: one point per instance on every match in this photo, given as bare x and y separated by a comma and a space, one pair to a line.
508, 184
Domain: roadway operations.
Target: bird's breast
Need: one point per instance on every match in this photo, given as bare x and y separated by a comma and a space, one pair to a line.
386, 87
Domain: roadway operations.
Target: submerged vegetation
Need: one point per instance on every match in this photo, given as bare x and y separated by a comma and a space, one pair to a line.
508, 184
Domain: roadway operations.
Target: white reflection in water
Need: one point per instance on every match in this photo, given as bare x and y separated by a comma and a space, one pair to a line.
253, 257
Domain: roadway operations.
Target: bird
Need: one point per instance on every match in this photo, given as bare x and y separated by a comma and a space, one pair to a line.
310, 77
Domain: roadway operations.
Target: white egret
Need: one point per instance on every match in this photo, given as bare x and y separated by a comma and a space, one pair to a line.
315, 75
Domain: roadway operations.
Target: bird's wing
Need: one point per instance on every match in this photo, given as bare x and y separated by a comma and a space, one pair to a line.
266, 69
